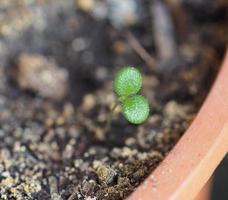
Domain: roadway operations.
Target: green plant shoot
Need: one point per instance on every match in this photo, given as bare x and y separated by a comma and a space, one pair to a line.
127, 84
128, 81
135, 109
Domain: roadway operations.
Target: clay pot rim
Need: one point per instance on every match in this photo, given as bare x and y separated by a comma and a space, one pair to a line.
197, 153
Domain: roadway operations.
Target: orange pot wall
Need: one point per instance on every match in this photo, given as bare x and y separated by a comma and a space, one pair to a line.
205, 192
192, 161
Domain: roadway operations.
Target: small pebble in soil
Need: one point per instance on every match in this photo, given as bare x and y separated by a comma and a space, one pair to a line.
124, 13
173, 110
14, 21
85, 5
36, 73
105, 173
88, 187
88, 102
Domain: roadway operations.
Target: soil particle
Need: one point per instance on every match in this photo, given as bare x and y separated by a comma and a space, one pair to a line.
42, 76
13, 21
88, 187
54, 188
124, 13
104, 172
88, 102
173, 110
85, 5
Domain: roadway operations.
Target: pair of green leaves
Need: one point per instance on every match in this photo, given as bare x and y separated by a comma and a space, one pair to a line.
128, 83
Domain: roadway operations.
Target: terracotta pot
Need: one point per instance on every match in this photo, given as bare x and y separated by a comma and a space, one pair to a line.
192, 161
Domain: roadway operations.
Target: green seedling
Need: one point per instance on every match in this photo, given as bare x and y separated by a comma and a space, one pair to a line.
127, 84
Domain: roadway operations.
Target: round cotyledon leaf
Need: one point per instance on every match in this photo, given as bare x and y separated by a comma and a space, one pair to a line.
128, 81
136, 109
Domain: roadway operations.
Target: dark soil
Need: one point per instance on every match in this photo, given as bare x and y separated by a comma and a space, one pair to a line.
52, 139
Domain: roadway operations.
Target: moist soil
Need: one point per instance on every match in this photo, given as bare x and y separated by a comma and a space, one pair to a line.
58, 60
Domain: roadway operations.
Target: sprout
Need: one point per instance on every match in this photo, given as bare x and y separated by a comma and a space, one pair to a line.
135, 108
128, 81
